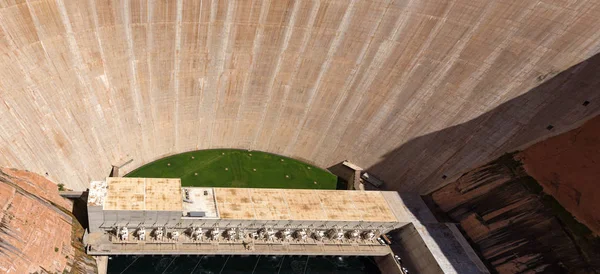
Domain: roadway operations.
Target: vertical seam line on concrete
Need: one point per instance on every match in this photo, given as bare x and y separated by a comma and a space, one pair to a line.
11, 109
211, 22
221, 69
201, 83
288, 34
380, 56
105, 77
149, 47
313, 15
258, 39
60, 127
133, 72
105, 73
340, 34
131, 53
176, 69
370, 128
76, 59
348, 83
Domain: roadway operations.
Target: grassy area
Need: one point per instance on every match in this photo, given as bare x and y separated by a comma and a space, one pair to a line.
237, 168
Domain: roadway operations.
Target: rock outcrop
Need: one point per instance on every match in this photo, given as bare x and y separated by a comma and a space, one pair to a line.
513, 224
38, 234
568, 167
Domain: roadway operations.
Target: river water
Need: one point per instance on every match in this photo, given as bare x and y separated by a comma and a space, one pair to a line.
240, 264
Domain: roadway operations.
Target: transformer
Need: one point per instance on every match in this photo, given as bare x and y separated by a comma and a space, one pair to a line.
141, 233
285, 234
335, 234
318, 235
196, 233
123, 234
214, 233
230, 234
241, 233
369, 235
301, 235
158, 233
354, 234
270, 234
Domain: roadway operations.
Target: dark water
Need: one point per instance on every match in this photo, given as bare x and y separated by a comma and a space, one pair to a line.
241, 264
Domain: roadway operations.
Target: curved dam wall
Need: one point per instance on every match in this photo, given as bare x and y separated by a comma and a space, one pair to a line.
417, 90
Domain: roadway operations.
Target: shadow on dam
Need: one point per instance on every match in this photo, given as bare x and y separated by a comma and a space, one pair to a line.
554, 106
558, 104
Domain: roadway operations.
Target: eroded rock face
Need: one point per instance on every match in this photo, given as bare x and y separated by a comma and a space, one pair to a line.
513, 224
568, 168
37, 231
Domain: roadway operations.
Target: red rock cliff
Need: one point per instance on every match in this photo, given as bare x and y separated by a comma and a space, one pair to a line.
568, 168
513, 224
37, 231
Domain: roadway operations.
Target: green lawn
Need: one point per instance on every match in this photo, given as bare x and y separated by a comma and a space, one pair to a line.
237, 168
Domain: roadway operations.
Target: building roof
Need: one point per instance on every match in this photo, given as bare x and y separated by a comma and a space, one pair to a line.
201, 199
97, 193
158, 194
301, 204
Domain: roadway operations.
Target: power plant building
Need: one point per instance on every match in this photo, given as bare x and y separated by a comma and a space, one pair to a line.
149, 216
157, 202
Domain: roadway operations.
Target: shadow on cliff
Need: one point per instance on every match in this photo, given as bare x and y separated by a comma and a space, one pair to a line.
556, 105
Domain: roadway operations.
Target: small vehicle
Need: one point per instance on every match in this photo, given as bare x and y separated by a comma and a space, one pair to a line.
382, 242
371, 179
398, 259
386, 239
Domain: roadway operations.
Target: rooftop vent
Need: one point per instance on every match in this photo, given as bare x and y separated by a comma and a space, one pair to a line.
197, 214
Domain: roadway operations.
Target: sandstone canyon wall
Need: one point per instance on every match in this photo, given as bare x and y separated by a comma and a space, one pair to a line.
37, 232
534, 211
568, 167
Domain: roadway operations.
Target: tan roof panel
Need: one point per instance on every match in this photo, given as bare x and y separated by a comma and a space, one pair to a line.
302, 204
234, 203
373, 206
340, 207
163, 194
125, 194
305, 204
143, 194
270, 204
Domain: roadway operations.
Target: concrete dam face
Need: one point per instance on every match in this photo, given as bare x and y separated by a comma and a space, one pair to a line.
416, 91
